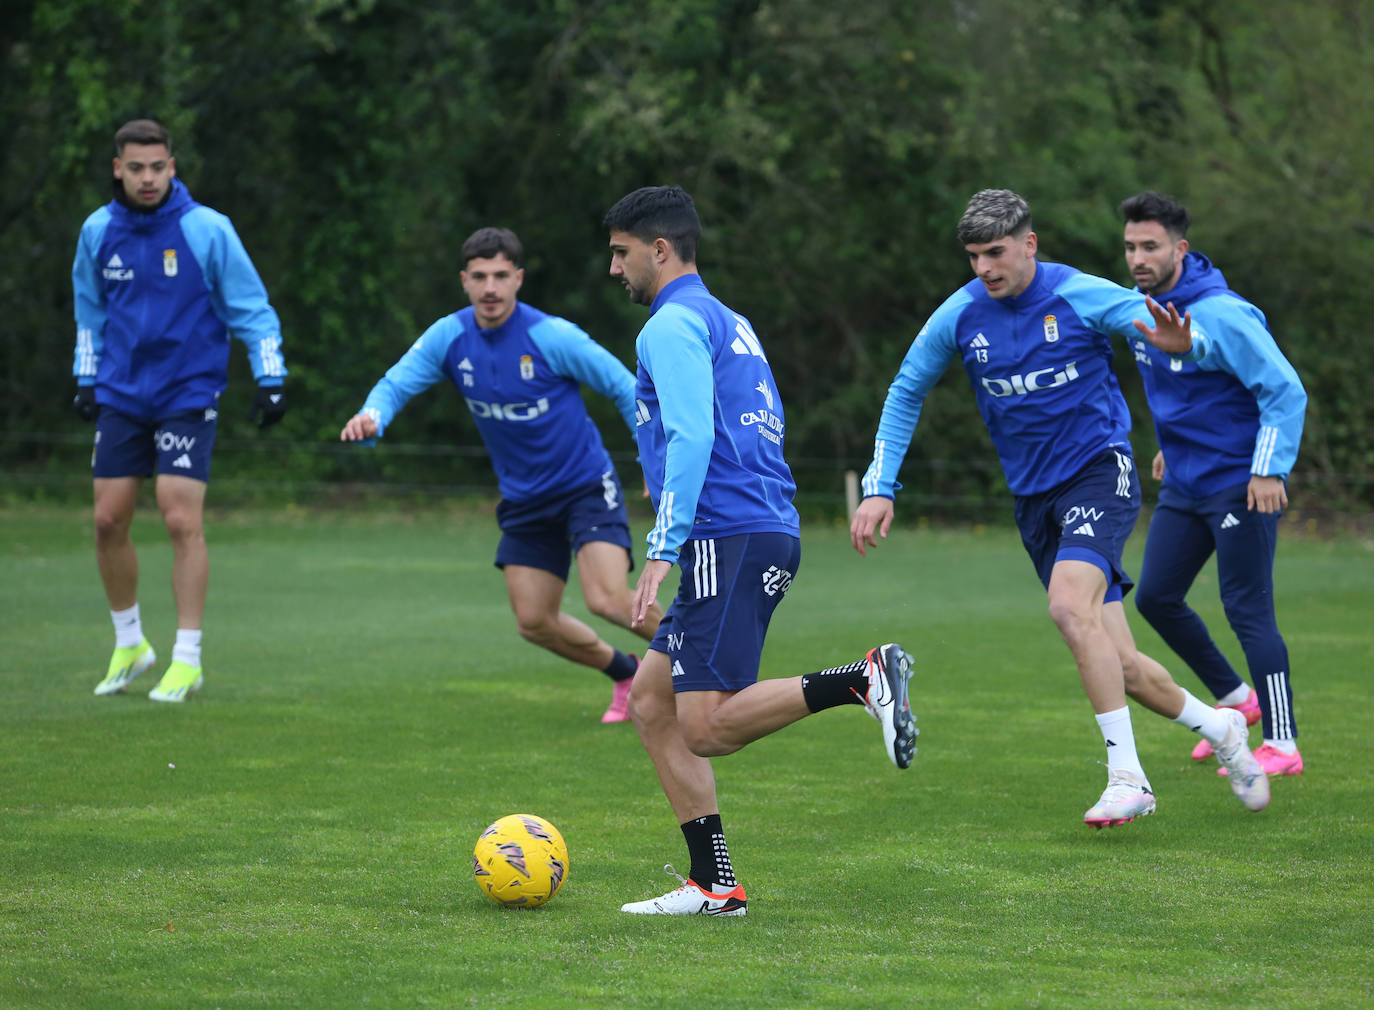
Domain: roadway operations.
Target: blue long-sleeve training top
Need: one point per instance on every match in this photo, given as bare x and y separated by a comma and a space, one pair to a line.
1040, 365
157, 295
522, 384
1240, 409
711, 423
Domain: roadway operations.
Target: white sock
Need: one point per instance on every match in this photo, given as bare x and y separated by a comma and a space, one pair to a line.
1235, 697
187, 649
128, 627
1282, 746
1120, 741
1202, 719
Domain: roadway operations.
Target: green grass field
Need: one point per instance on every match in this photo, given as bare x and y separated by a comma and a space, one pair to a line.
301, 833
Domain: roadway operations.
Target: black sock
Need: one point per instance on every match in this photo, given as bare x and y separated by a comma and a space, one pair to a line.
843, 685
710, 858
622, 666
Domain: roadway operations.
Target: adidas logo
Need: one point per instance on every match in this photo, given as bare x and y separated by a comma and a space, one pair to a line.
1086, 530
1229, 521
465, 365
979, 341
678, 671
116, 271
183, 461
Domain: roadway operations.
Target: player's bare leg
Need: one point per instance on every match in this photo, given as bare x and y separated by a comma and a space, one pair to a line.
182, 501
536, 598
1075, 601
1076, 591
686, 777
715, 723
603, 568
115, 500
1225, 729
1145, 679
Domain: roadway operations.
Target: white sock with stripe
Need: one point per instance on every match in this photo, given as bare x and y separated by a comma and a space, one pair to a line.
1120, 741
187, 648
1210, 723
128, 627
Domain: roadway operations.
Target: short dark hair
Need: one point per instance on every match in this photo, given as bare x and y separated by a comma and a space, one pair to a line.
487, 243
992, 214
141, 131
658, 212
1152, 206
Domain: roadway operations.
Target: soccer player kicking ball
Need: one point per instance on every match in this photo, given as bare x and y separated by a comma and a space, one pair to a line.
710, 435
1035, 340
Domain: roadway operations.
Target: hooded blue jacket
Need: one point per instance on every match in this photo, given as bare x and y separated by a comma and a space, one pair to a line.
1239, 410
156, 295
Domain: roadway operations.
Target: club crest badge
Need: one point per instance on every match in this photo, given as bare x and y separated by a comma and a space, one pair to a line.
526, 367
1051, 329
169, 262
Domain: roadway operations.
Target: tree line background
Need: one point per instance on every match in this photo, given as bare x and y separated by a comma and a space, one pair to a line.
830, 149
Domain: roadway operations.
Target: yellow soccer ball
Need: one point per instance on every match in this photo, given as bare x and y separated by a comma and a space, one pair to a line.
520, 861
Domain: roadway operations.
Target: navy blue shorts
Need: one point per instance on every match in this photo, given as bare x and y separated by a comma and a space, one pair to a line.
713, 632
545, 534
130, 447
1088, 518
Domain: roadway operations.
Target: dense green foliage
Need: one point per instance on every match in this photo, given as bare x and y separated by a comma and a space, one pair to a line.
830, 148
300, 834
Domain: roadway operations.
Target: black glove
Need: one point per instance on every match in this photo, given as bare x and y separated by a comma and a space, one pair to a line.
84, 402
269, 404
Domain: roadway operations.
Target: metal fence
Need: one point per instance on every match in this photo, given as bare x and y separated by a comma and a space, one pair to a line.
54, 466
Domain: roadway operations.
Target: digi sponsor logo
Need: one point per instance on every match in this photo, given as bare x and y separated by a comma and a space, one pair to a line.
1041, 378
115, 270
523, 411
